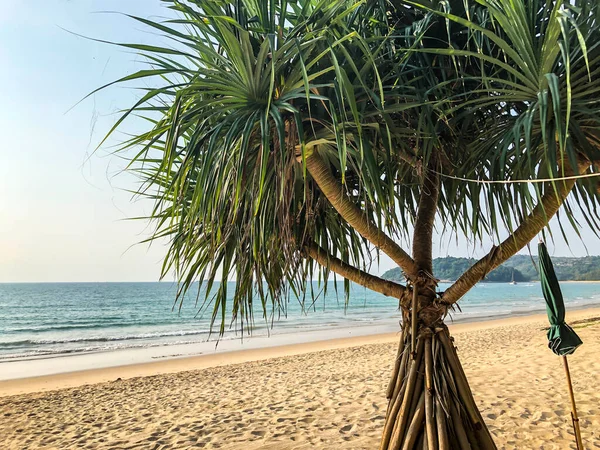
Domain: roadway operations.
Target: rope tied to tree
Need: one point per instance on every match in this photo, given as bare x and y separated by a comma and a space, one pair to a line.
537, 180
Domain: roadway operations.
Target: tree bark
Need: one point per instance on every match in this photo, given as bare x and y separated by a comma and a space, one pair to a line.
351, 213
426, 211
385, 287
533, 224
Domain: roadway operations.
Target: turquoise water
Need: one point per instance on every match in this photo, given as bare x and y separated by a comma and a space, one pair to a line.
48, 319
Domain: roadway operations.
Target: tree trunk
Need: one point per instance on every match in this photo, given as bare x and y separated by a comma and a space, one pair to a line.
430, 401
351, 213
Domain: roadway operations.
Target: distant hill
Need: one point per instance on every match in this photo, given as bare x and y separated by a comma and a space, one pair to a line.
567, 269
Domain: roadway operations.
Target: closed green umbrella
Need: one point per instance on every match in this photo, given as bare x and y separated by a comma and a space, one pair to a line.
562, 339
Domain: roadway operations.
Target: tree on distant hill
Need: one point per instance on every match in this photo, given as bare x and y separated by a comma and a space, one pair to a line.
288, 137
450, 268
586, 268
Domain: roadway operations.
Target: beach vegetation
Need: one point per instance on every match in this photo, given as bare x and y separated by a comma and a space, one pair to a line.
302, 139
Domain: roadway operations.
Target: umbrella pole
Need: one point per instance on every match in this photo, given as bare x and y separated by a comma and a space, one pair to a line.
413, 323
574, 408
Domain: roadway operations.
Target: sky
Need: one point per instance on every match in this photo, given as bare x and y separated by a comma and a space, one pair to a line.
64, 210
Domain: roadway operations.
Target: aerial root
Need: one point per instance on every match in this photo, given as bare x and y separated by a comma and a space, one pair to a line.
431, 405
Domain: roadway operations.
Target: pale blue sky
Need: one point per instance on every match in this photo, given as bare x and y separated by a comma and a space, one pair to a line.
62, 213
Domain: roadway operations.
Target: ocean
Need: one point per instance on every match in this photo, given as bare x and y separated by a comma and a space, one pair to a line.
39, 320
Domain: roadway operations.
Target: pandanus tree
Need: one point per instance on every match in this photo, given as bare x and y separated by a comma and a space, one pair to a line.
294, 138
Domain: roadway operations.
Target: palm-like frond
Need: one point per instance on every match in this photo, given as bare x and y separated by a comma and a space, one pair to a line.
520, 100
252, 87
387, 93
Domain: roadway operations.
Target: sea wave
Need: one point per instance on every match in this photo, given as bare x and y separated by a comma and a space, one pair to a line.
30, 342
53, 352
66, 326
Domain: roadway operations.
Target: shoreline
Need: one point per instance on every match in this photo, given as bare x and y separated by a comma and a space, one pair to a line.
83, 340
127, 367
294, 335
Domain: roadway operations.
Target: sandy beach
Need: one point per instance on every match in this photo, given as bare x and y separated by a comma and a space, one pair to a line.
327, 394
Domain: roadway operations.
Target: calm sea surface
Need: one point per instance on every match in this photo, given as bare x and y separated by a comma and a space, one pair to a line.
41, 320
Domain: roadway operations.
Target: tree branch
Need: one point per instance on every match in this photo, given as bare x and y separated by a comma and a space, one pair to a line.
334, 192
385, 287
535, 222
426, 211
